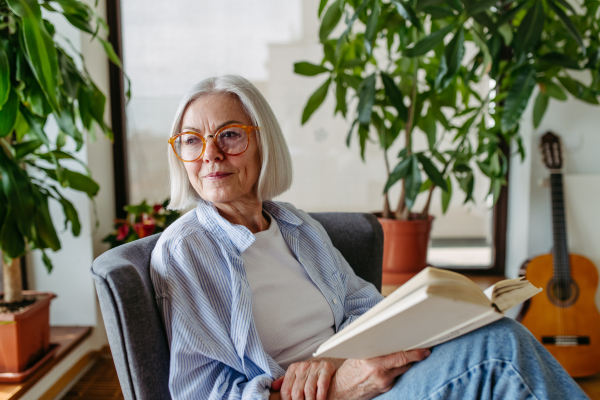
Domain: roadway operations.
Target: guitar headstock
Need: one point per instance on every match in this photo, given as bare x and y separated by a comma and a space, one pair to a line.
551, 151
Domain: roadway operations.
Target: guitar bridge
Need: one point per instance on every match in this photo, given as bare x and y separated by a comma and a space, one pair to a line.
566, 340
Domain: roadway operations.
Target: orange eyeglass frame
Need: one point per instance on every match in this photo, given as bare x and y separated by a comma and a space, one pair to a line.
246, 128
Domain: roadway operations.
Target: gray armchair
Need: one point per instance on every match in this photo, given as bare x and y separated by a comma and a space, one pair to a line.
134, 326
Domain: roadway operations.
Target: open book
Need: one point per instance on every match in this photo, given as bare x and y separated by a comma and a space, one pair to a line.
433, 307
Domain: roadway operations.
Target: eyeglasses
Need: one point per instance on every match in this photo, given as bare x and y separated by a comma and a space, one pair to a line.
231, 140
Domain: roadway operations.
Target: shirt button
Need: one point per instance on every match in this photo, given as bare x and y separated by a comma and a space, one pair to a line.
334, 301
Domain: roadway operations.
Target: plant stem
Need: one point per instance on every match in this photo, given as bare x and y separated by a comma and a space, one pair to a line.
402, 212
12, 281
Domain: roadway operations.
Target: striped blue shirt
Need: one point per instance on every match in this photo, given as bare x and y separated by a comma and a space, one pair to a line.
206, 302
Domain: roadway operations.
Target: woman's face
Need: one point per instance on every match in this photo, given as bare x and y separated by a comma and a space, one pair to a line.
216, 176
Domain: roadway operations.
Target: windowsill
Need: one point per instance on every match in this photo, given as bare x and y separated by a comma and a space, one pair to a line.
483, 281
68, 339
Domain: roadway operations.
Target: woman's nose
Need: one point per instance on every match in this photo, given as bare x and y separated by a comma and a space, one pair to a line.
212, 151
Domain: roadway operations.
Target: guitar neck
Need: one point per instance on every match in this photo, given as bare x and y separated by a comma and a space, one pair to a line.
562, 270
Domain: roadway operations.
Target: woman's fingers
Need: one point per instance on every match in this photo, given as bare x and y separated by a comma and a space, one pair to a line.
302, 374
288, 384
310, 387
323, 381
402, 358
276, 385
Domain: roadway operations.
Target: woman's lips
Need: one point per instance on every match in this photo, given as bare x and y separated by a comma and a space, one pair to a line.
215, 176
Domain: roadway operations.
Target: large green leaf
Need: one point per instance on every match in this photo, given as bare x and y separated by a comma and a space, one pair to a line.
454, 53
477, 7
406, 11
322, 5
4, 76
432, 172
366, 99
24, 148
539, 108
561, 60
371, 28
330, 20
340, 97
15, 184
548, 87
78, 14
569, 25
429, 42
315, 100
517, 98
76, 181
12, 242
398, 173
308, 69
412, 183
530, 30
395, 95
447, 195
43, 222
40, 47
8, 114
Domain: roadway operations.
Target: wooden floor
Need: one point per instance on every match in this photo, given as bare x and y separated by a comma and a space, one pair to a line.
101, 382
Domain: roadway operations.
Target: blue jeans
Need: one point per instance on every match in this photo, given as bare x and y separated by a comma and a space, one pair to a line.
500, 361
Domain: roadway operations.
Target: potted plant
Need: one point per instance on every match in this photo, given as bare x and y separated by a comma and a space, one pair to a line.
142, 220
38, 79
406, 66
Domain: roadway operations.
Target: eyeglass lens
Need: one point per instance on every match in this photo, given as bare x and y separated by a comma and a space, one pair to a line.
232, 140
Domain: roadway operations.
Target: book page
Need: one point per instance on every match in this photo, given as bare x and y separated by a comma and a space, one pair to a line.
508, 293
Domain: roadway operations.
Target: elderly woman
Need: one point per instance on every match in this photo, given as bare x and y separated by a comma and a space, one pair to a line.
249, 288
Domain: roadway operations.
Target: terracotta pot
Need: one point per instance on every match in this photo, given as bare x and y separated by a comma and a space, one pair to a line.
25, 335
404, 248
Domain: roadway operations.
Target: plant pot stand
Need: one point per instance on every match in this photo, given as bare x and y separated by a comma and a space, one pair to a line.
25, 335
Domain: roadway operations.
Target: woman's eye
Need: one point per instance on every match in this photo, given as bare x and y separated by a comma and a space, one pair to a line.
190, 140
230, 134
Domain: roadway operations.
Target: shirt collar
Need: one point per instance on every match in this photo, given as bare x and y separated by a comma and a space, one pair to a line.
240, 236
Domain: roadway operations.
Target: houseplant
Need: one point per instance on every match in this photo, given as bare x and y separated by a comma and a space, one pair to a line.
412, 68
142, 220
40, 79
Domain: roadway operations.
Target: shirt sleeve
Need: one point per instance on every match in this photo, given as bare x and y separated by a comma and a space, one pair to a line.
195, 376
361, 295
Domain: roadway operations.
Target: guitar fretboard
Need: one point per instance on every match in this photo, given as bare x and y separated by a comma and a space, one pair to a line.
562, 270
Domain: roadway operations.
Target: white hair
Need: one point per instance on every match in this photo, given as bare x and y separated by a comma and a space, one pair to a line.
275, 175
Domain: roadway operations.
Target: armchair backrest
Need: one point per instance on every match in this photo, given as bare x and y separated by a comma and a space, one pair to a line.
133, 323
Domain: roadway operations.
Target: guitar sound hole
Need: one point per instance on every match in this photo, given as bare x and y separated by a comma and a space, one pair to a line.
562, 293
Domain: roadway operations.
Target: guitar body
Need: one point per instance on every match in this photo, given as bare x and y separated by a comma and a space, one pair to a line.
572, 322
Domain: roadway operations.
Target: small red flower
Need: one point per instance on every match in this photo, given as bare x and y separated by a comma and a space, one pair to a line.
145, 228
157, 208
122, 232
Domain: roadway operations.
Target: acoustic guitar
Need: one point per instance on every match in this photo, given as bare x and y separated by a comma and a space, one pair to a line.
564, 317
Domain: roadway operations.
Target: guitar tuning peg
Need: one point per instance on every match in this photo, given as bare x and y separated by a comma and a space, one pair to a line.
544, 182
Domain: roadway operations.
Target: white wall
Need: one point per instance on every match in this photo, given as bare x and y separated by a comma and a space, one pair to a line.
71, 280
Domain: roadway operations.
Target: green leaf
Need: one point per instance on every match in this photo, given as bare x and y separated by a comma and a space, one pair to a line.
539, 108
8, 114
548, 87
76, 181
371, 28
412, 182
447, 195
322, 5
566, 5
480, 6
562, 60
315, 100
309, 69
429, 42
467, 184
495, 189
406, 12
510, 14
395, 95
428, 125
330, 20
43, 222
569, 25
432, 172
4, 76
110, 52
398, 173
12, 242
78, 14
24, 148
340, 97
573, 86
517, 98
530, 30
454, 53
70, 214
15, 184
40, 47
366, 99
349, 136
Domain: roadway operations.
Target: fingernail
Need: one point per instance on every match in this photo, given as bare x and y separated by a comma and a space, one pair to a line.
426, 353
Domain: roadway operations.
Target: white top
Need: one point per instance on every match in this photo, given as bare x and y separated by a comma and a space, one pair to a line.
290, 313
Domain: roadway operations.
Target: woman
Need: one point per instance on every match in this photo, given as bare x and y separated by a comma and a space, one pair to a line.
249, 288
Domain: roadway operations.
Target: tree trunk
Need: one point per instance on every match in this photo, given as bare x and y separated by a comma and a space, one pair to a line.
12, 281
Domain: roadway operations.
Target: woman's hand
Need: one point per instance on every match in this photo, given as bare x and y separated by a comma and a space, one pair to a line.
366, 379
307, 380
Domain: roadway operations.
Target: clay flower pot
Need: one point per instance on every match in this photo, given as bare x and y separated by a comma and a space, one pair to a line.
25, 335
405, 246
